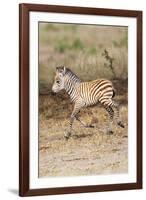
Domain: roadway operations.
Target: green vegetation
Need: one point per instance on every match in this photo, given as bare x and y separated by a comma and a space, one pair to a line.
78, 44
62, 45
93, 51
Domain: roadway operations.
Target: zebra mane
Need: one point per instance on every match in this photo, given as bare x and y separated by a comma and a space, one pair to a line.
72, 75
69, 73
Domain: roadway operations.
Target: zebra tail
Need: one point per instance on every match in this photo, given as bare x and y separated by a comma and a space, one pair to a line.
114, 92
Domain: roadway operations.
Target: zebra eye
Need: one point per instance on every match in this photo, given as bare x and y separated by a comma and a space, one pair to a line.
58, 82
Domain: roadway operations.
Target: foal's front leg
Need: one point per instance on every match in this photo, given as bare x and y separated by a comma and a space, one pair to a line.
78, 105
72, 118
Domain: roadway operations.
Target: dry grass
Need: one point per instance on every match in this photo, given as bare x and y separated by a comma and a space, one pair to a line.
88, 151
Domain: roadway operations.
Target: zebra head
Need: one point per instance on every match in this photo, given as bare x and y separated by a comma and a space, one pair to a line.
59, 79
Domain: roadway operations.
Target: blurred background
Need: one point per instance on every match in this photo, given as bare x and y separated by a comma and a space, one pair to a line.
90, 51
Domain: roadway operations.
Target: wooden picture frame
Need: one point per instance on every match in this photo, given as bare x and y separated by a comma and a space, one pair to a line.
24, 95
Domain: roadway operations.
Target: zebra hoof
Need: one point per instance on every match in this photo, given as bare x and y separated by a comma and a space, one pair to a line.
121, 124
110, 132
67, 135
89, 126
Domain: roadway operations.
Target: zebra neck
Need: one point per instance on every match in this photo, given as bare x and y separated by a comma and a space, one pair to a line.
70, 88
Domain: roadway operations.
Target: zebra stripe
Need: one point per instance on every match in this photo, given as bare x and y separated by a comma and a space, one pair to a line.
86, 94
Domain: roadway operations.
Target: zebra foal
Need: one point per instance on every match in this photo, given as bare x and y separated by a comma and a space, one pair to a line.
86, 94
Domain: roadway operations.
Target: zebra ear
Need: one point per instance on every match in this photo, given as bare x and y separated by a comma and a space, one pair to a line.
57, 68
64, 70
61, 69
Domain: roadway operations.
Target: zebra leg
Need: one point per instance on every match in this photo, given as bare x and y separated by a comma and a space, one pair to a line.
83, 123
72, 117
111, 114
68, 133
119, 123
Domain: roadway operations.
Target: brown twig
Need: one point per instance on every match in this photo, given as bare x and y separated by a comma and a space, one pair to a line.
110, 61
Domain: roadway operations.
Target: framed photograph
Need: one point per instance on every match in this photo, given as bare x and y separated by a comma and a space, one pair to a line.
80, 99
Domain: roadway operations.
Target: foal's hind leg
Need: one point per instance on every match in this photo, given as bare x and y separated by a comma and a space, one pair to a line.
119, 123
83, 123
111, 114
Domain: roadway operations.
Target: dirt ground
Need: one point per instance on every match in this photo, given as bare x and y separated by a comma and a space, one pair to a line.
90, 151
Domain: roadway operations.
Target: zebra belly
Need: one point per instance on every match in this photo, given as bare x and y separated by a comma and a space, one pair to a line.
89, 99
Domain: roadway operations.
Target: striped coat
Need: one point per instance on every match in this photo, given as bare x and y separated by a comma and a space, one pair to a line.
86, 94
96, 91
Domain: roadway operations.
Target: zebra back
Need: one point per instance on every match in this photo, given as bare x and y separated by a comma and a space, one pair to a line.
98, 90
